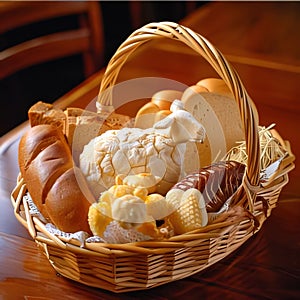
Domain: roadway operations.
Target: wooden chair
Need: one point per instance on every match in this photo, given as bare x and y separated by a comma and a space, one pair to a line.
87, 39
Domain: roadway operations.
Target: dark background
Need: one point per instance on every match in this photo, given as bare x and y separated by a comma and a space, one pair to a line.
49, 81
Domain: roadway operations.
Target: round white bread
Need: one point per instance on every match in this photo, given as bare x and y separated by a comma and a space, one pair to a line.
218, 112
55, 185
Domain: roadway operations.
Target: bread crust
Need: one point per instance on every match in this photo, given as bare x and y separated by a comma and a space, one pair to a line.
51, 178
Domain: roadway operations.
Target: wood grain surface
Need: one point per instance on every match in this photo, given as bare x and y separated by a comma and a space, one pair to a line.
261, 40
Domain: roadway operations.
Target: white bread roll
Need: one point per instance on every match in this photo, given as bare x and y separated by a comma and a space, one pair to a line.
55, 185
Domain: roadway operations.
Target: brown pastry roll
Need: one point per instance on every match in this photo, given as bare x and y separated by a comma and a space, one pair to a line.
216, 182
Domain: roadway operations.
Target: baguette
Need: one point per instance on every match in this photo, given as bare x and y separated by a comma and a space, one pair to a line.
54, 183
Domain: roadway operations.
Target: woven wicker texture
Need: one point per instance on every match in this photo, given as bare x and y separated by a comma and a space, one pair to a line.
142, 265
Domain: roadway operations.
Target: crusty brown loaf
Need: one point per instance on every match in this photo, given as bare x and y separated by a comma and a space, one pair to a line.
46, 165
216, 182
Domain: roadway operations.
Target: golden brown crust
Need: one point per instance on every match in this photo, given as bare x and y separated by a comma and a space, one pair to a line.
66, 204
47, 168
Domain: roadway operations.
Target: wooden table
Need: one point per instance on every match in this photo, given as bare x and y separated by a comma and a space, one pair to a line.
261, 41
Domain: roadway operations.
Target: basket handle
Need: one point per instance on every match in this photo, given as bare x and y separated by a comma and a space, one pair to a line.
215, 59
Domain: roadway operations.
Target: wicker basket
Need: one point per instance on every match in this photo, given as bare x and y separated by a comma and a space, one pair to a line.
142, 265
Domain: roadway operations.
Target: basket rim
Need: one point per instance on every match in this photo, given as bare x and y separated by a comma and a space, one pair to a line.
38, 231
174, 257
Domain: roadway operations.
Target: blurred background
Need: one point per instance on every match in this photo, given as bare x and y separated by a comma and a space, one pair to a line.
47, 81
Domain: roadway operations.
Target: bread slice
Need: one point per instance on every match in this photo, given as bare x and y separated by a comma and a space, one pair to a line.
83, 126
78, 125
220, 116
45, 113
